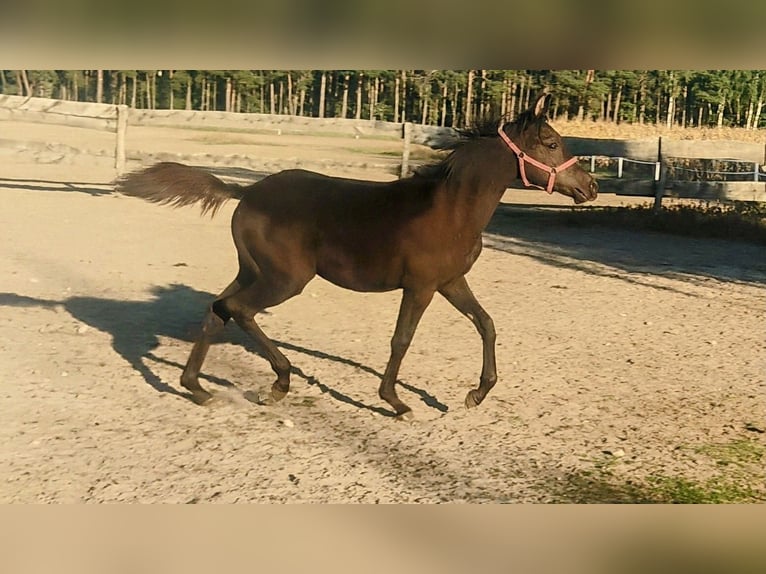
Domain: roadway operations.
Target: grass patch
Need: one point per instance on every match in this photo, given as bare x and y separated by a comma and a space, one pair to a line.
739, 220
741, 483
739, 452
678, 490
589, 487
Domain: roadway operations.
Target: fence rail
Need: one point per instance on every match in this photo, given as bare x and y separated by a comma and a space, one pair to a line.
658, 152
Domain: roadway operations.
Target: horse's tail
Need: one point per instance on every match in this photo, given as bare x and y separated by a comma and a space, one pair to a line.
178, 185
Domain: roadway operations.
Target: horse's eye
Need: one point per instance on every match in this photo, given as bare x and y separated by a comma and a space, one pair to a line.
553, 145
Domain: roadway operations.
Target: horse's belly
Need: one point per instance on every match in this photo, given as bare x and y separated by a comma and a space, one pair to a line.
359, 270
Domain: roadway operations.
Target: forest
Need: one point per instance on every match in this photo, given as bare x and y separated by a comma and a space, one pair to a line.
455, 98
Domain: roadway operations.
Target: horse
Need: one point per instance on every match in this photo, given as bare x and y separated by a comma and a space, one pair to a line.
420, 234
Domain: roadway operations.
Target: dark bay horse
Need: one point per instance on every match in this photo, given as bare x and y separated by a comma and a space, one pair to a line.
420, 234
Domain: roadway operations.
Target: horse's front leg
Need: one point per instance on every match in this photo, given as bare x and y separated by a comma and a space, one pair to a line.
414, 303
460, 296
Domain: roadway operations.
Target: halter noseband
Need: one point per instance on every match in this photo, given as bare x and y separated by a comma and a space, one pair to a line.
523, 159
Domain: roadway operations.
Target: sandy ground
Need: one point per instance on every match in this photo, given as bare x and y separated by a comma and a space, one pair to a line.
624, 358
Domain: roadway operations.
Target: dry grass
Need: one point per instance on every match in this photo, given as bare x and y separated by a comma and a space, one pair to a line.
609, 130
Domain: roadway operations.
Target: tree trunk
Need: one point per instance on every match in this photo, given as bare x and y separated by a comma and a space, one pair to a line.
617, 101
404, 95
456, 106
23, 81
520, 102
757, 113
189, 93
358, 111
322, 89
658, 107
721, 106
99, 86
443, 120
344, 97
154, 90
671, 110
290, 98
227, 107
607, 113
634, 116
468, 116
371, 96
272, 99
147, 91
512, 95
171, 101
504, 99
484, 104
396, 99
671, 101
529, 93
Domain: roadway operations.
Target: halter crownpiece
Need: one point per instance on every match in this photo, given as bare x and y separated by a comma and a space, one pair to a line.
524, 159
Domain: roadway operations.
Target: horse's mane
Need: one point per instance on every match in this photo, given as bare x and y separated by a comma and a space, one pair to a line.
484, 128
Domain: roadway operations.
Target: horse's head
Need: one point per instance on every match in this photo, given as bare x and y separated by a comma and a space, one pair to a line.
543, 160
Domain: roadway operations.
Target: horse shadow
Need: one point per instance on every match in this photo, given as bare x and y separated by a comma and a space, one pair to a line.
176, 311
92, 189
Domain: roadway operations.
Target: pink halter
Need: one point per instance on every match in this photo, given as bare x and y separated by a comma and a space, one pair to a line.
523, 158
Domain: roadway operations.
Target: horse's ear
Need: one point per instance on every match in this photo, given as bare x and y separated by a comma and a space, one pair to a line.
541, 105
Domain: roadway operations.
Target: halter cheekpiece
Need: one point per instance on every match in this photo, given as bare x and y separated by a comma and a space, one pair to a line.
524, 159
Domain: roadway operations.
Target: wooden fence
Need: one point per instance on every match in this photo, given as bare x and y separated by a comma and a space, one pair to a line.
662, 154
658, 153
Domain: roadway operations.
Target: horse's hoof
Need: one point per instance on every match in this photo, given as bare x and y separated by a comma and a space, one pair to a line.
200, 397
471, 399
277, 394
406, 416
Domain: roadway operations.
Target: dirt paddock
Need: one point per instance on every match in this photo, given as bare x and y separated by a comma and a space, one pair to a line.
627, 362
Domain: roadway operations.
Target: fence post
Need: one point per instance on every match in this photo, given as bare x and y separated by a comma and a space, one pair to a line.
620, 161
407, 135
756, 169
659, 190
122, 128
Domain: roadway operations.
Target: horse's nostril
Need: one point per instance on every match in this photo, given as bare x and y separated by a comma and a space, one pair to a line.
594, 187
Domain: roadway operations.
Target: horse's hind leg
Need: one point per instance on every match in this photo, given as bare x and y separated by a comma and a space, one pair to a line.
213, 323
459, 294
243, 306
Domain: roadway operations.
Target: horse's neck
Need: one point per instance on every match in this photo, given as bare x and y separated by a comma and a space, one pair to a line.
481, 187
